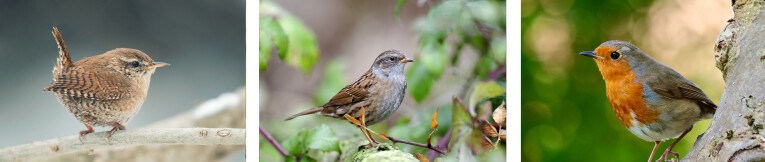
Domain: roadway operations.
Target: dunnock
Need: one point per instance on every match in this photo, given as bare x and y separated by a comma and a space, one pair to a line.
379, 91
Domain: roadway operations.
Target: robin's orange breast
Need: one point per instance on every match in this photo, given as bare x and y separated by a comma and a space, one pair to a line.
625, 92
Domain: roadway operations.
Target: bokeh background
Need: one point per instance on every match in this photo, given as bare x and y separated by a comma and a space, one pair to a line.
204, 41
566, 115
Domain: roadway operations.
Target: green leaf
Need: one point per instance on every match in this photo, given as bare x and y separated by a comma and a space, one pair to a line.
499, 48
276, 34
322, 138
418, 81
460, 115
333, 81
397, 9
303, 51
433, 56
264, 50
484, 90
294, 145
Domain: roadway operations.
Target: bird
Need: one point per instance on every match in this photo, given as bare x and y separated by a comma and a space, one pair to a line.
652, 100
379, 91
103, 90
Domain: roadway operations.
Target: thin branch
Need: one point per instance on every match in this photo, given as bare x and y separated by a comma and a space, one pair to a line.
273, 142
166, 136
442, 143
416, 144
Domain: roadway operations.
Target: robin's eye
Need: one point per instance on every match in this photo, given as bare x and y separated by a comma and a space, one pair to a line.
135, 64
614, 55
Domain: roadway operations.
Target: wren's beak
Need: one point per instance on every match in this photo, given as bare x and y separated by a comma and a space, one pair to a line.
156, 65
590, 54
406, 59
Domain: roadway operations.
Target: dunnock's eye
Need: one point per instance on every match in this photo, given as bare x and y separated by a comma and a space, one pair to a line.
614, 55
392, 59
135, 64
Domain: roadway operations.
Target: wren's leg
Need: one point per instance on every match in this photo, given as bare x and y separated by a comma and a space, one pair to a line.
669, 150
654, 150
117, 126
90, 130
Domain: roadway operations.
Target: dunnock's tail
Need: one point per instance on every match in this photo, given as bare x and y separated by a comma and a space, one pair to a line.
309, 111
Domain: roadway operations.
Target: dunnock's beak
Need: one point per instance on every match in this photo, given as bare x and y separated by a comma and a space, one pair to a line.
405, 60
156, 65
590, 54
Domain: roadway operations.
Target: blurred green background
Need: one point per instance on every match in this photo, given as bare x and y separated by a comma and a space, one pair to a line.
565, 113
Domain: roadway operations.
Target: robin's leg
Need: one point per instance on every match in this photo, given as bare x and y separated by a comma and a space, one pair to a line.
90, 130
669, 150
117, 126
654, 150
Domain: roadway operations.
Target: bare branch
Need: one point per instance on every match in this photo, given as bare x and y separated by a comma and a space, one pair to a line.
167, 136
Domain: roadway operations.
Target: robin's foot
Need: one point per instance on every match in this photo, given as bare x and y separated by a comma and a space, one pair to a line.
90, 130
666, 154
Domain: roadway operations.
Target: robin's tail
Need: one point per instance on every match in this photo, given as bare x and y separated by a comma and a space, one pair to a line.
309, 111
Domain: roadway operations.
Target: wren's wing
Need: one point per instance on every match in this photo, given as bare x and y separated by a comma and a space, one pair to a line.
674, 85
78, 82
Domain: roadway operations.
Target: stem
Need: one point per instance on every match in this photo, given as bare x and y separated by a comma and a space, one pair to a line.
444, 141
417, 144
273, 142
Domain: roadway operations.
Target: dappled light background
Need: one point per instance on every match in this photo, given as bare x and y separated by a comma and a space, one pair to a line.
566, 115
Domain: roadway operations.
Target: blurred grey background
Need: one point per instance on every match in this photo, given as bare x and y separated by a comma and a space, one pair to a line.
204, 41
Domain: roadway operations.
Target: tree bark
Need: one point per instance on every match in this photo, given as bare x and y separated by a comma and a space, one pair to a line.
736, 131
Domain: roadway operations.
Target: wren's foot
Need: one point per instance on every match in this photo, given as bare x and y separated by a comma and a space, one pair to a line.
90, 130
117, 126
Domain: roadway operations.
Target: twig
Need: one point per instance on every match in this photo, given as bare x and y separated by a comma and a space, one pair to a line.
273, 142
442, 143
416, 144
167, 136
359, 124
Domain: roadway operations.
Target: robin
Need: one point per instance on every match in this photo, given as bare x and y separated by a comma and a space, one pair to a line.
653, 101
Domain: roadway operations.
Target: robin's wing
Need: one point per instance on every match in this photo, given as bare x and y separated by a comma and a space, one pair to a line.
78, 82
673, 85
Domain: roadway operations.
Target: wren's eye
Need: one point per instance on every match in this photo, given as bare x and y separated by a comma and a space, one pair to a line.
614, 55
135, 64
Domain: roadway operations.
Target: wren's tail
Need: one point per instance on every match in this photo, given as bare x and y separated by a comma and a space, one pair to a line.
309, 111
64, 61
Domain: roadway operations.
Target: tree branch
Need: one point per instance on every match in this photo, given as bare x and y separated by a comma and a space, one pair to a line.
171, 136
177, 138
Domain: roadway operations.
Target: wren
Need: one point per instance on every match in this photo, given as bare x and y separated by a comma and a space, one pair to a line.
103, 90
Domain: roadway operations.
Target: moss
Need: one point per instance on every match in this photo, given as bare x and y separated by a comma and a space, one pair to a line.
383, 152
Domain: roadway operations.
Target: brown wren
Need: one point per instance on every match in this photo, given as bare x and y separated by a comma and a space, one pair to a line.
102, 90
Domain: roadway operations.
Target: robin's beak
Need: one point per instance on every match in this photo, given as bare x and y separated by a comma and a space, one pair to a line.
405, 60
590, 54
156, 65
